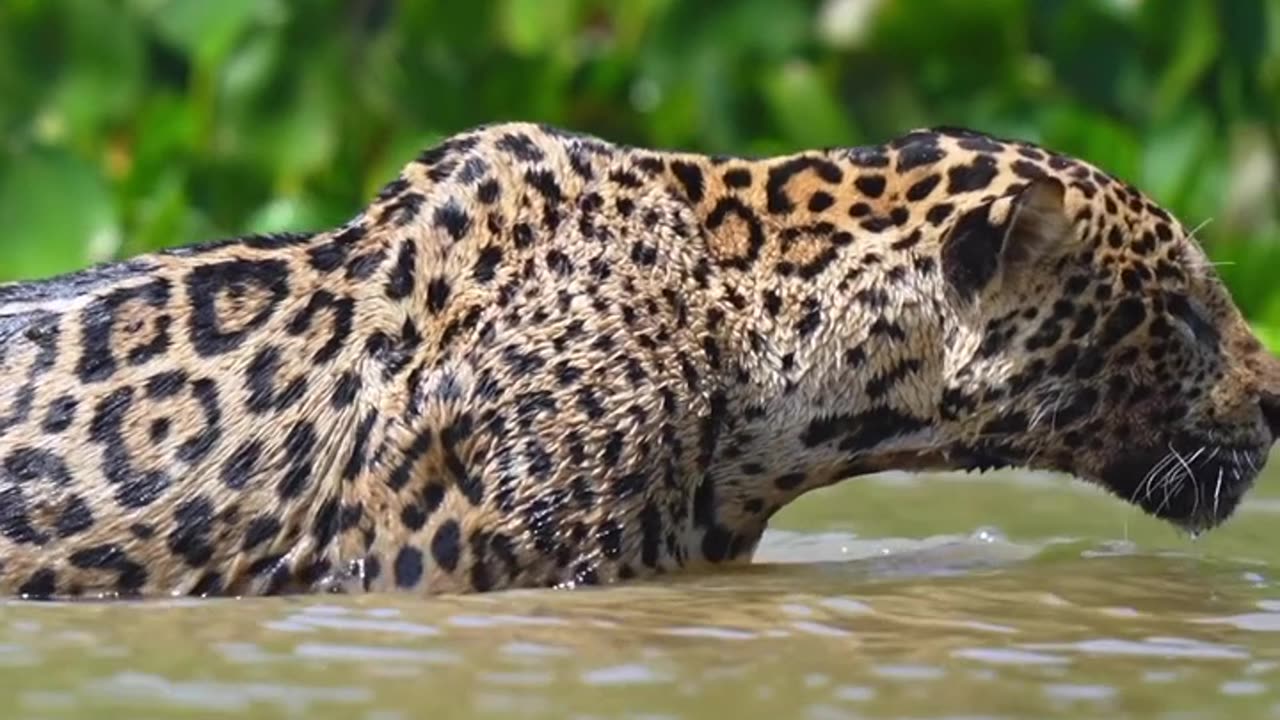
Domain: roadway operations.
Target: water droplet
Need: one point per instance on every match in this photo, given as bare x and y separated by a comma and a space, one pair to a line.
989, 535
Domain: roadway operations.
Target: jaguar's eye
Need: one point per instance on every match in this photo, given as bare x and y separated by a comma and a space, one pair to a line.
1194, 318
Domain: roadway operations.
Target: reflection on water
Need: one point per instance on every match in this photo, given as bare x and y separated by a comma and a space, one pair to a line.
841, 619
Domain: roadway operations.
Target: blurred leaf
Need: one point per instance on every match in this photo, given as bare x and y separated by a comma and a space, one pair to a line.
204, 29
536, 26
1196, 29
102, 77
1269, 335
58, 214
1094, 54
1172, 154
287, 214
1106, 143
806, 111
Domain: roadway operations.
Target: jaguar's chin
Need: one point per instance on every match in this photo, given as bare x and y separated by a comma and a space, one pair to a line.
1194, 485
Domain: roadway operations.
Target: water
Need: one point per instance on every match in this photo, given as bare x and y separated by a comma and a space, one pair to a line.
951, 596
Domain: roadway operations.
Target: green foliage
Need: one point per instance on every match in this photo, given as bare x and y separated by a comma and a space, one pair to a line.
131, 125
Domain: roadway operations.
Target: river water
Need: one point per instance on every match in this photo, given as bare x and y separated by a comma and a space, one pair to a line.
953, 596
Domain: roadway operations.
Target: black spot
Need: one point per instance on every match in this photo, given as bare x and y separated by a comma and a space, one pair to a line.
939, 213
400, 284
643, 253
329, 256
1126, 317
413, 516
238, 468
815, 267
919, 152
487, 262
882, 384
488, 191
400, 475
521, 147
1008, 424
737, 178
974, 176
650, 535
1064, 359
402, 210
920, 189
76, 517
558, 262
451, 218
789, 481
359, 446
345, 390
820, 201
60, 414
609, 535
716, 544
40, 586
884, 327
690, 176
868, 157
772, 302
810, 321
193, 521
362, 267
299, 444
438, 291
1027, 170
544, 181
871, 186
26, 464
260, 530
876, 224
971, 252
208, 585
445, 545
1081, 404
408, 567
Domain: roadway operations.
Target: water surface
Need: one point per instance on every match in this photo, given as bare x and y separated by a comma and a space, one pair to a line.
955, 596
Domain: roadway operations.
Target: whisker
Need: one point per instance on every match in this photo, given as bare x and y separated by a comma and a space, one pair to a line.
1217, 492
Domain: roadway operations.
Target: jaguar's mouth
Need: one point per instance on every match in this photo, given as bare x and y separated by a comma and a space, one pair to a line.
1194, 485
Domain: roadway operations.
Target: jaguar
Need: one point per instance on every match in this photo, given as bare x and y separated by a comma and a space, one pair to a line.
538, 358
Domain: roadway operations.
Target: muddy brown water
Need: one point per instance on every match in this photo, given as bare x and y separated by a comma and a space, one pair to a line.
954, 596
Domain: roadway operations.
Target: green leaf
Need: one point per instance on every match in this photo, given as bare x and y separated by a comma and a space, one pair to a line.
58, 215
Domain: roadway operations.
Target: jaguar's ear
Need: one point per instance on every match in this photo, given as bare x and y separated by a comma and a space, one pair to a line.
997, 241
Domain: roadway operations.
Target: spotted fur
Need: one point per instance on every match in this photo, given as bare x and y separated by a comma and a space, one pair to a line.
537, 358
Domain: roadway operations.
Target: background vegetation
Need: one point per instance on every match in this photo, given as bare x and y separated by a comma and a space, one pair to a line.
129, 125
